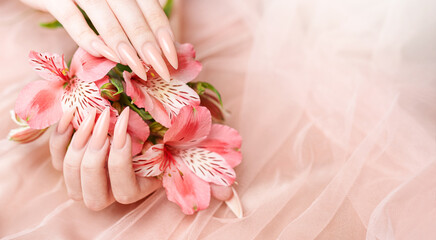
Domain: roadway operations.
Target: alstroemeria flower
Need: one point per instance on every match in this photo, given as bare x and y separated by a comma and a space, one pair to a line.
41, 103
194, 153
163, 100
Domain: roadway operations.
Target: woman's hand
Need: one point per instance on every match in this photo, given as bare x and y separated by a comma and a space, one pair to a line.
128, 28
93, 177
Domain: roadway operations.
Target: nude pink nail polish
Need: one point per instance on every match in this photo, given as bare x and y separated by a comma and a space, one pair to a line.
120, 131
166, 43
99, 134
155, 59
82, 134
65, 120
104, 50
129, 56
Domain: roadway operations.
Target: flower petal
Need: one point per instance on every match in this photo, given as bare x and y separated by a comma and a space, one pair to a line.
133, 87
49, 66
188, 68
148, 164
186, 189
225, 141
39, 103
172, 95
25, 134
207, 165
190, 127
82, 95
138, 130
89, 68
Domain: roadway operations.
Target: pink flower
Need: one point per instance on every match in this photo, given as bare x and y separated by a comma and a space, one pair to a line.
194, 153
23, 134
41, 103
163, 100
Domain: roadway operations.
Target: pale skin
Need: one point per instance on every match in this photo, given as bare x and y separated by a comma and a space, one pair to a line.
96, 171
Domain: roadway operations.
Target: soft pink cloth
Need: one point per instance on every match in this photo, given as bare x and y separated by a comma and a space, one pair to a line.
335, 101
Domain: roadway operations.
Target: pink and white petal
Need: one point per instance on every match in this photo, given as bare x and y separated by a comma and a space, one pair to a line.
89, 68
149, 163
39, 103
49, 66
173, 95
225, 141
188, 68
138, 129
189, 128
82, 96
186, 189
209, 166
134, 89
158, 111
102, 81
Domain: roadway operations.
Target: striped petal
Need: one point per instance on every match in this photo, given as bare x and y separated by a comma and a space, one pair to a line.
172, 95
207, 165
49, 66
82, 95
149, 163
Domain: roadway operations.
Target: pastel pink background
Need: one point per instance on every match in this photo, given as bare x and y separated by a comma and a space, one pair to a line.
335, 101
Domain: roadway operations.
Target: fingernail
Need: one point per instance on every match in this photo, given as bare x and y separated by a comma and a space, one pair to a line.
66, 118
166, 43
99, 134
82, 133
104, 50
129, 56
155, 59
120, 131
235, 204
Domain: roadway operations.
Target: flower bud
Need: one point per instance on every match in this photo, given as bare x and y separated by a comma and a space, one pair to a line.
156, 129
24, 133
110, 92
214, 106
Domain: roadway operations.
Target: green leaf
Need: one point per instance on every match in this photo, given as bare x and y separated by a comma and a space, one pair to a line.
118, 84
123, 68
124, 99
54, 24
168, 7
88, 20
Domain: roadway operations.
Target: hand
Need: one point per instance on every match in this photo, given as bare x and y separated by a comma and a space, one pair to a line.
127, 27
84, 163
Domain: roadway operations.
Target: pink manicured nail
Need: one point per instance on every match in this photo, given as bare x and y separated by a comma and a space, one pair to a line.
167, 44
65, 120
129, 56
99, 134
84, 130
155, 59
104, 50
120, 131
235, 204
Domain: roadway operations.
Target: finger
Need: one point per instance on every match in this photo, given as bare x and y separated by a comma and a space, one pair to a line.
60, 138
67, 13
107, 25
141, 36
124, 184
74, 156
222, 193
158, 22
93, 173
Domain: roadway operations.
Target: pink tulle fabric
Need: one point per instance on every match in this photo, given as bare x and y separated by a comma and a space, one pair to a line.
335, 101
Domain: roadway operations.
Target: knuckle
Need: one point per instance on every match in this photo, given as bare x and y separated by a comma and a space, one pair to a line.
70, 165
95, 205
76, 196
125, 199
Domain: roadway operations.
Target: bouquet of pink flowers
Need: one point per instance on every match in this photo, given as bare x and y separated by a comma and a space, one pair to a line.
174, 125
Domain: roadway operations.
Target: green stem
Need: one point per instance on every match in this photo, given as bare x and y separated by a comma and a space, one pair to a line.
124, 99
